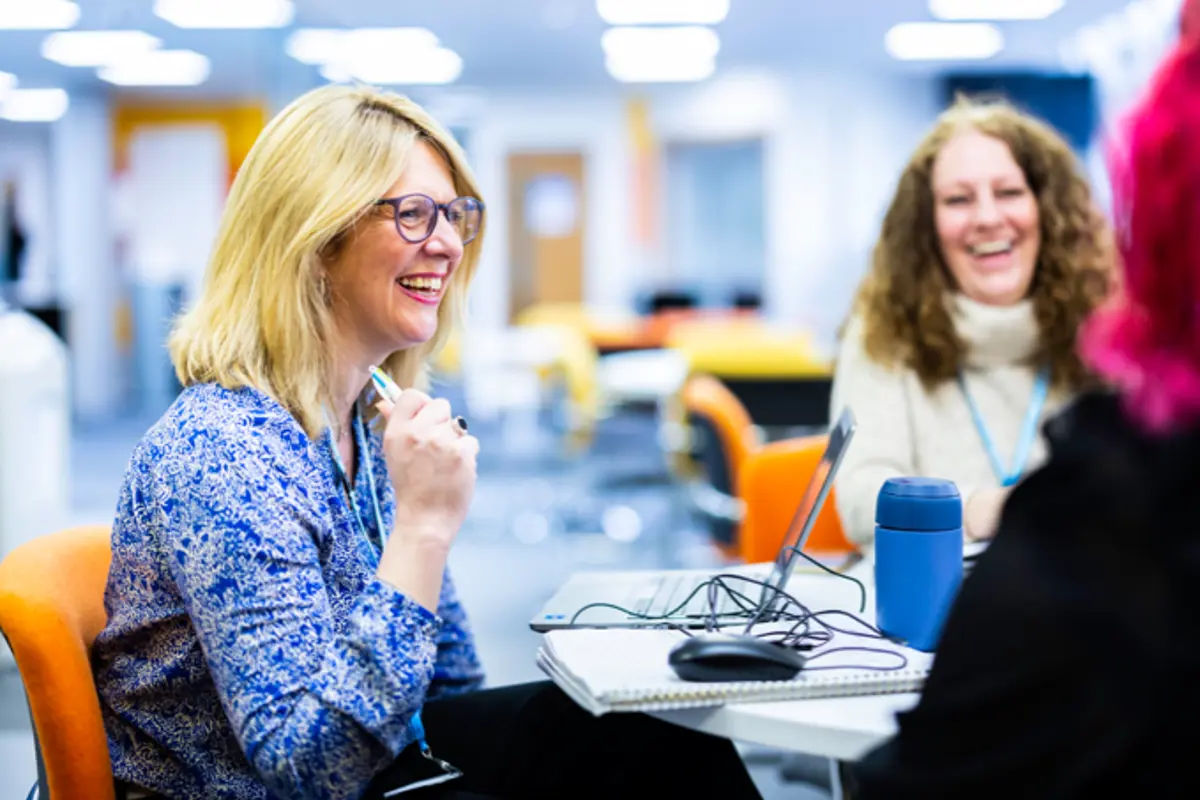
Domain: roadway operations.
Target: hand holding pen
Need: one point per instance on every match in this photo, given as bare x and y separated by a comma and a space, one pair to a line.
388, 389
432, 465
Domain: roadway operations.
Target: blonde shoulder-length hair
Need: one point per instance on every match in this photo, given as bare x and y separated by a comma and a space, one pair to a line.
263, 318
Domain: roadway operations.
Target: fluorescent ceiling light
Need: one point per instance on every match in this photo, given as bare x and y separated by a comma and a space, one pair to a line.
943, 41
8, 82
660, 70
993, 9
660, 55
329, 45
226, 13
658, 12
388, 56
437, 66
33, 105
668, 43
158, 68
96, 48
46, 15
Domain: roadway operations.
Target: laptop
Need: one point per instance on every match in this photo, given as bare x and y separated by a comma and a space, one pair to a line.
650, 598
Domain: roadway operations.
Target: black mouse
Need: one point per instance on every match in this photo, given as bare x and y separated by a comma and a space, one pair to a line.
714, 657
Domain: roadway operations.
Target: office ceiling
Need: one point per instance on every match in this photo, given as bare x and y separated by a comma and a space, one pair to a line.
539, 44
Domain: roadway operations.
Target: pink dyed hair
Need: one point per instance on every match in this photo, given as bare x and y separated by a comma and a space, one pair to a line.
1146, 339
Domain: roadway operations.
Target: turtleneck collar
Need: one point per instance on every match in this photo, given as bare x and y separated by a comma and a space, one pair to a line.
994, 335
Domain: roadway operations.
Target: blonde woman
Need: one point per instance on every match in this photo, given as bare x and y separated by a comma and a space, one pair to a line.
281, 621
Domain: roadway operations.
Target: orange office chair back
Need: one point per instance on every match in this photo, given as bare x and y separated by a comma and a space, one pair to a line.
770, 486
707, 400
51, 610
724, 436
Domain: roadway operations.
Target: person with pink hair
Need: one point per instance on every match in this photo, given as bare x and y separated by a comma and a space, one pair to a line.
1069, 663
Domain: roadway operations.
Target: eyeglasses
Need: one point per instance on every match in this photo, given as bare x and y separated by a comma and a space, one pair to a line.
417, 216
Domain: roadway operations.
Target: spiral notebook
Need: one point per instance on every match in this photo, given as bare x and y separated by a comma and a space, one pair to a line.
619, 669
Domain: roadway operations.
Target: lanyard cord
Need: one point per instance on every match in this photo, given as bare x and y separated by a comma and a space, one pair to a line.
344, 477
1029, 428
416, 727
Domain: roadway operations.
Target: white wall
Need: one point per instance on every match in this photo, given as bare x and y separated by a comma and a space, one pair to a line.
596, 127
834, 146
25, 159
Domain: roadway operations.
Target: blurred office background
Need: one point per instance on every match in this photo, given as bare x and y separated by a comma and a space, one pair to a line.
682, 196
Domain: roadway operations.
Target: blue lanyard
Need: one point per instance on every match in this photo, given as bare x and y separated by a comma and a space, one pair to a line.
415, 725
1029, 428
361, 439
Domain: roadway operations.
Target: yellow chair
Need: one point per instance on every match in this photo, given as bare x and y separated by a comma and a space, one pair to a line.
577, 369
51, 610
742, 346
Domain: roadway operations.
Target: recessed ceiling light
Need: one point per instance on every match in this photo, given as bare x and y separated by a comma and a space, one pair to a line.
943, 41
434, 67
682, 42
659, 12
226, 13
658, 70
33, 105
993, 9
96, 48
327, 45
660, 55
45, 15
387, 56
158, 68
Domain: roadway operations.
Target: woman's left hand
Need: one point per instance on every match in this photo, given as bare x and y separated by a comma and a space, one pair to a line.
981, 512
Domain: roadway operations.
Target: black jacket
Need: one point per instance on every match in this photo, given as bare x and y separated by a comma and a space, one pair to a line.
1070, 662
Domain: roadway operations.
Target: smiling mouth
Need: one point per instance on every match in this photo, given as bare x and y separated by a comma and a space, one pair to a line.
426, 288
996, 248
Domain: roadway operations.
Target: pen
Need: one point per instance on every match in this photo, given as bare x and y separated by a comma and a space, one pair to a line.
385, 385
388, 388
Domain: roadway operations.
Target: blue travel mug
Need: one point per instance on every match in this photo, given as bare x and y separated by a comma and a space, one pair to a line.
918, 558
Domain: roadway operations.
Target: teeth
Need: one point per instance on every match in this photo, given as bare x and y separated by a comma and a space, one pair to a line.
991, 248
424, 284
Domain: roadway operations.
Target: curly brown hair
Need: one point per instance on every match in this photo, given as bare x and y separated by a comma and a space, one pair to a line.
902, 300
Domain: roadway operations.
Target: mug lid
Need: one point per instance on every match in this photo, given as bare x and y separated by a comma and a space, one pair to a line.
919, 504
920, 487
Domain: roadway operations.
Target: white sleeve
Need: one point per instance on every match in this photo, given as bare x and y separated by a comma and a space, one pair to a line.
882, 446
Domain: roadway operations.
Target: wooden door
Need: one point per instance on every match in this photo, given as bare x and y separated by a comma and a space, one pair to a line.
547, 210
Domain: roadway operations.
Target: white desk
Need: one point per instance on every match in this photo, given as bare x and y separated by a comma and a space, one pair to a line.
841, 728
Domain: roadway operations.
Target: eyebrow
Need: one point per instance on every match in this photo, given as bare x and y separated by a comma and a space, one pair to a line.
964, 184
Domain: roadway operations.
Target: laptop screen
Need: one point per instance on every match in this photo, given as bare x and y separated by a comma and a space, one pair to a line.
813, 499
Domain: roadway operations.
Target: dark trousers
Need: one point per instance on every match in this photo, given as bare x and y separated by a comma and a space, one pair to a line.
531, 741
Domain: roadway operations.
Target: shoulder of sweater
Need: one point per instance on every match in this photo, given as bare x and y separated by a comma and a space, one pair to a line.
852, 353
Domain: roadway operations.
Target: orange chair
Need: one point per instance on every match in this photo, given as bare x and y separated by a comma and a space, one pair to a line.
769, 485
724, 437
51, 610
710, 402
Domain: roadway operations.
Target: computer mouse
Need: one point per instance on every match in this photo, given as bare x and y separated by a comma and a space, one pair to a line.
712, 657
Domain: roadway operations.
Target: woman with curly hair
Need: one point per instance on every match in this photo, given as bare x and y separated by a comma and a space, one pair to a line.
962, 336
1070, 656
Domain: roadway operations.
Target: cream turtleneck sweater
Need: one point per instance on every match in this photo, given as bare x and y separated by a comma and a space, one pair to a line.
905, 430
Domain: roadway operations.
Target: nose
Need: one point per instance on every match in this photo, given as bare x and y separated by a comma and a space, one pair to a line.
987, 210
444, 241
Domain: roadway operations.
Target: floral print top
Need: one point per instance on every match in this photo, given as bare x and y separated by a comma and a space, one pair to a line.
250, 650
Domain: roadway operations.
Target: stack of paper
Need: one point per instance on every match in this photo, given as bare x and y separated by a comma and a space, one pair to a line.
618, 669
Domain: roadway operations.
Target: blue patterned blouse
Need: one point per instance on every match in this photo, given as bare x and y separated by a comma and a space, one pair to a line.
250, 650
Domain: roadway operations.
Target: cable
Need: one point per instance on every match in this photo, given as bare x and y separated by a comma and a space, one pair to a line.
809, 630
